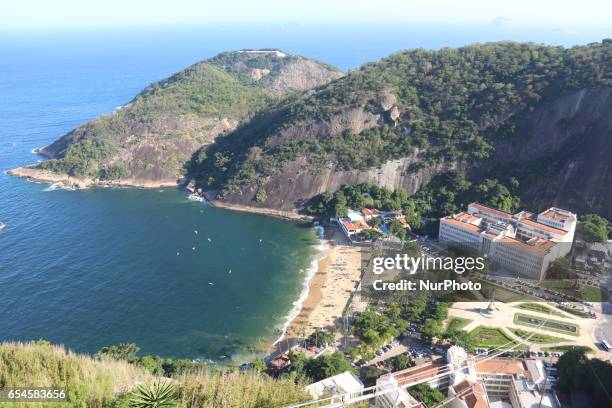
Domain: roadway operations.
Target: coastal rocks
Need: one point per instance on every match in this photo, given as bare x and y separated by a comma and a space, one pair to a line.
63, 181
57, 180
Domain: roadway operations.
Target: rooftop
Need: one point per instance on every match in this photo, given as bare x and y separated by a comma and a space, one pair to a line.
344, 383
355, 225
535, 246
489, 210
467, 217
370, 211
462, 224
558, 214
501, 366
420, 372
543, 227
472, 393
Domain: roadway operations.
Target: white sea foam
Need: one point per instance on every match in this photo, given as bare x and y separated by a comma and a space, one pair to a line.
297, 305
51, 187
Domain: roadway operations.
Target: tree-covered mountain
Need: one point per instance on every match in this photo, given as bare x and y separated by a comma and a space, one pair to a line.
513, 124
149, 140
531, 119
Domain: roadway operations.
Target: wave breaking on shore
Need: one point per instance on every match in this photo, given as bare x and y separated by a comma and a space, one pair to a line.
322, 249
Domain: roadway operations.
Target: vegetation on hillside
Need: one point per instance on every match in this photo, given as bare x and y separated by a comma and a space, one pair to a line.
595, 228
310, 370
183, 107
444, 195
454, 104
111, 381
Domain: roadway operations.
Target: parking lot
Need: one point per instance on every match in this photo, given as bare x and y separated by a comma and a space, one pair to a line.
418, 350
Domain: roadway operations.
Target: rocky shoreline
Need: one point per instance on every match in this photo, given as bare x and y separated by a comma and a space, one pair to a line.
73, 183
210, 197
68, 182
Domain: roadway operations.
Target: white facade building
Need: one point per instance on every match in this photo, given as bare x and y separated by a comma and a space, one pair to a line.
524, 243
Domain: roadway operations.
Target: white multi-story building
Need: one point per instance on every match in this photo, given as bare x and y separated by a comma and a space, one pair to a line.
524, 242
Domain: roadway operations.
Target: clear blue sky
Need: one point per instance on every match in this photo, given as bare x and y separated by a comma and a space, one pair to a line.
560, 14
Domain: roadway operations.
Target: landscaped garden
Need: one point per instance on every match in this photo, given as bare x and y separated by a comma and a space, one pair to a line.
492, 337
547, 324
536, 337
457, 323
539, 307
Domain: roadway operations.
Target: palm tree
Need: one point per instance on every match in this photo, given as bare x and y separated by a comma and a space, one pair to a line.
156, 395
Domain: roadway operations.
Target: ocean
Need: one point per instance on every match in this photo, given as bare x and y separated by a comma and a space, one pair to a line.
104, 266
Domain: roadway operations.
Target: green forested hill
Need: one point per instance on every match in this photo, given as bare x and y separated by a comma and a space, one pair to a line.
154, 135
446, 109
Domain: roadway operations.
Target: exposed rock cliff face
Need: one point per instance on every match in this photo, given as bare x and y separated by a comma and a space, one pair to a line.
564, 145
567, 145
302, 75
295, 186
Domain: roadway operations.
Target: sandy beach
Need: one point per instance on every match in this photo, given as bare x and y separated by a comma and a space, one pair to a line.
330, 288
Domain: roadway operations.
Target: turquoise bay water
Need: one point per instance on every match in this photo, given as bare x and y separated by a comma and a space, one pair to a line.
118, 265
99, 267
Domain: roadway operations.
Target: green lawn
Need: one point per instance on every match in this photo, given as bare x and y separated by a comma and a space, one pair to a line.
551, 325
457, 323
593, 294
568, 348
584, 292
491, 337
539, 307
536, 337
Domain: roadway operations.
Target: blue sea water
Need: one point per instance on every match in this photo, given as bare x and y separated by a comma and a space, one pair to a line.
103, 266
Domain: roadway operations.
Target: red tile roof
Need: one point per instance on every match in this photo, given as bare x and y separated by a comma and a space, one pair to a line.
472, 394
501, 366
355, 225
421, 372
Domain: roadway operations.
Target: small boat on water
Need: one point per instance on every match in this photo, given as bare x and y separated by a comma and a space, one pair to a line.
2, 225
195, 197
